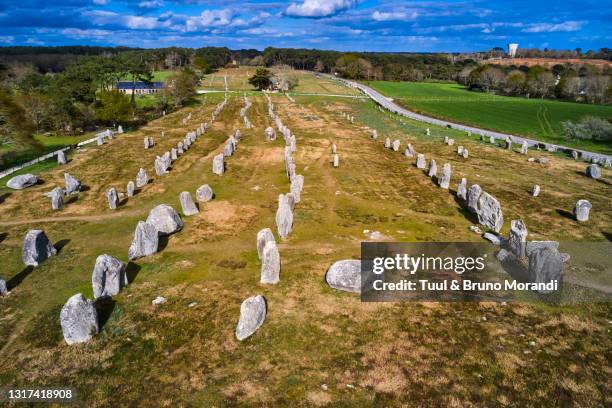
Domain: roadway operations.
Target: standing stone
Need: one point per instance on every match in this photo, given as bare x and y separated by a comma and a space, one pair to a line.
582, 209
79, 320
100, 140
147, 144
489, 212
291, 200
113, 198
574, 154
524, 147
187, 204
228, 150
61, 157
252, 316
173, 154
409, 151
459, 150
264, 236
462, 190
387, 143
334, 149
36, 248
160, 166
444, 179
508, 143
374, 134
284, 217
535, 191
433, 168
165, 219
130, 188
270, 263
518, 238
142, 178
593, 171
345, 275
109, 276
22, 181
270, 133
428, 132
3, 288
57, 198
180, 149
465, 153
336, 160
492, 140
204, 193
472, 197
445, 139
396, 145
420, 161
218, 166
73, 185
297, 184
145, 242
545, 265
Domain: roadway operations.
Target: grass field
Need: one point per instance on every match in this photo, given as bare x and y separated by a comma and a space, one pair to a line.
317, 346
535, 118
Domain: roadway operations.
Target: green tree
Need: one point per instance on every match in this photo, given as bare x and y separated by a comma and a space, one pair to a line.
180, 87
261, 79
137, 68
200, 63
113, 107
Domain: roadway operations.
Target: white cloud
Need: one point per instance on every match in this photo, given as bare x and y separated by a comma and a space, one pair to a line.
101, 2
151, 4
6, 39
209, 19
395, 15
78, 33
319, 8
140, 23
552, 28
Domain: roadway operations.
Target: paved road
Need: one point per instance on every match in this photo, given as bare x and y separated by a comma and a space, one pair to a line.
393, 107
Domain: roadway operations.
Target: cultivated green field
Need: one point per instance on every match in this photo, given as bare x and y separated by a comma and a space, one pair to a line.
534, 118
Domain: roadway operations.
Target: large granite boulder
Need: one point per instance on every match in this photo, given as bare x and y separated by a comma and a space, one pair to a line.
109, 276
518, 238
433, 168
36, 248
73, 185
593, 171
473, 195
187, 205
113, 198
79, 320
252, 315
61, 158
297, 184
420, 161
165, 219
545, 265
130, 188
582, 210
142, 178
270, 263
284, 217
204, 193
22, 181
445, 176
145, 242
396, 145
263, 236
462, 190
57, 198
345, 275
409, 151
218, 166
489, 212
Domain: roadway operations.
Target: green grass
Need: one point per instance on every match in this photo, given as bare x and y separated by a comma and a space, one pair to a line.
534, 118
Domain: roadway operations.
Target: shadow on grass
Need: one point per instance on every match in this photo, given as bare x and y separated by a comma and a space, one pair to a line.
162, 243
132, 271
4, 196
17, 279
59, 245
565, 213
606, 234
3, 236
104, 307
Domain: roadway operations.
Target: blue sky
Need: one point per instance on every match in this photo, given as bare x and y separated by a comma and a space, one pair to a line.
366, 25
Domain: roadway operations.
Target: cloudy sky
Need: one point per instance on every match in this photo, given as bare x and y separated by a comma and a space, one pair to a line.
371, 25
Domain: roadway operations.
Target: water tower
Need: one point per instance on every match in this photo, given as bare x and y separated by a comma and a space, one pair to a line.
512, 50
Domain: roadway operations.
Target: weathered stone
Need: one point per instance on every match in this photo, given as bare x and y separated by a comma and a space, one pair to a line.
465, 153
218, 164
374, 134
524, 147
145, 242
492, 238
543, 160
593, 171
100, 140
142, 178
270, 133
147, 144
489, 212
473, 195
517, 241
61, 157
508, 143
492, 140
263, 236
291, 200
537, 245
187, 204
462, 190
297, 184
582, 209
420, 161
160, 166
79, 320
3, 288
336, 160
459, 150
545, 265
173, 154
284, 217
180, 149
451, 142
409, 151
228, 150
36, 248
22, 181
445, 176
575, 155
73, 185
165, 219
57, 198
334, 149
535, 191
396, 145
204, 193
433, 168
130, 188
270, 263
109, 276
387, 143
113, 198
291, 169
428, 132
252, 316
345, 275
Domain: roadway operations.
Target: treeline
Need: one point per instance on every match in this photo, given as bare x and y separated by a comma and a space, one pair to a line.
582, 83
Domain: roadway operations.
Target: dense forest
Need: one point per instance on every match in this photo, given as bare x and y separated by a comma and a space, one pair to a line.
71, 89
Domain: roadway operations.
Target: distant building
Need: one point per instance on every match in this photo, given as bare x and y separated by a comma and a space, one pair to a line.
140, 88
512, 49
